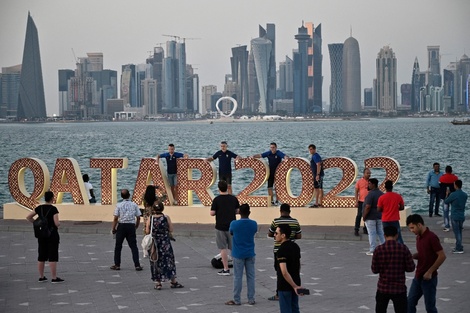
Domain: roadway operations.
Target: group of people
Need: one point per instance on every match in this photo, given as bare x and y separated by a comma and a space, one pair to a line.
446, 188
225, 157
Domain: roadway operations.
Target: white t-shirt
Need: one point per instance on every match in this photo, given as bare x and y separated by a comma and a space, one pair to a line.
88, 187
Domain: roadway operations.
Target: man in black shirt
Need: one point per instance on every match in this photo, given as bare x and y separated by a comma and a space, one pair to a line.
288, 271
224, 208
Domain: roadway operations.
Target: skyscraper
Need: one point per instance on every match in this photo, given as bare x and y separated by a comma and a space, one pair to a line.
31, 100
10, 85
386, 81
207, 92
415, 87
314, 61
128, 86
336, 87
64, 100
239, 64
270, 34
301, 67
261, 48
434, 66
351, 76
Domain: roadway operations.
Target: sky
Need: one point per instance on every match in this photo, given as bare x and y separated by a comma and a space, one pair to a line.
125, 32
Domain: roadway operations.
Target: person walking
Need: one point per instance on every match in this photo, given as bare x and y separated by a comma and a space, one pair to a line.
48, 248
225, 157
457, 201
288, 273
360, 192
372, 217
243, 254
164, 267
433, 189
224, 207
391, 260
430, 256
127, 213
296, 233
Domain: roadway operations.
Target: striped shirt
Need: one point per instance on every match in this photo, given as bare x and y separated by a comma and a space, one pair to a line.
127, 211
293, 224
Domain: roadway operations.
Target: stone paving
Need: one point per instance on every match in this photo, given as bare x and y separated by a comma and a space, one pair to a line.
336, 271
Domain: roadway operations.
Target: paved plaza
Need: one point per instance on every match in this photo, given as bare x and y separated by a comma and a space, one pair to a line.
336, 271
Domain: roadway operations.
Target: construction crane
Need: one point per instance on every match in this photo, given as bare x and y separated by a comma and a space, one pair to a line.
179, 37
174, 36
75, 57
188, 38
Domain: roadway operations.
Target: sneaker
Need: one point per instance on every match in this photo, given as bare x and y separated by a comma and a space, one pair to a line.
457, 251
277, 203
42, 279
446, 229
224, 273
175, 202
57, 280
369, 253
272, 202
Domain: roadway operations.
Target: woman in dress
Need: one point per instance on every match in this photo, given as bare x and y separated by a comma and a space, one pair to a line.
164, 268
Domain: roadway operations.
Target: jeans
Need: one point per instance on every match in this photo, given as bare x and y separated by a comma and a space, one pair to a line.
445, 213
375, 229
238, 265
420, 287
126, 231
288, 302
457, 227
399, 302
357, 223
434, 200
395, 224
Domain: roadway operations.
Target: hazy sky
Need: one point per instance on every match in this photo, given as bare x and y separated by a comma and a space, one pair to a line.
124, 31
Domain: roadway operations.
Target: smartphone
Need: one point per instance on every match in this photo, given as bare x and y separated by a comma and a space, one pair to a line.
303, 291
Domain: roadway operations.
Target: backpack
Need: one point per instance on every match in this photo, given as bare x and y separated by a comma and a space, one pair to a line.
41, 226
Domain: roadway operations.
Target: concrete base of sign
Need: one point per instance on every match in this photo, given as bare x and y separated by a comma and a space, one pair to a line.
200, 214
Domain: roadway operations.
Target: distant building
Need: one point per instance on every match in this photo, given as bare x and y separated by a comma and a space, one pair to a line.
386, 81
261, 48
270, 33
285, 79
31, 100
10, 86
156, 60
300, 72
434, 67
214, 98
351, 81
207, 92
315, 76
65, 105
128, 85
406, 95
149, 96
416, 85
239, 65
368, 102
283, 107
336, 86
114, 105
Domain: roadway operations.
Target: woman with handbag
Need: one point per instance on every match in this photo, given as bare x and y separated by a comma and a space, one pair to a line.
162, 259
150, 199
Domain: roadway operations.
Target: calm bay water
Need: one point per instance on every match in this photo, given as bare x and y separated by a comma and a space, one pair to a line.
414, 142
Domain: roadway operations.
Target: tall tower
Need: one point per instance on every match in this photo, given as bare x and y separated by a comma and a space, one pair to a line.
317, 71
336, 87
10, 85
261, 49
415, 87
181, 75
239, 63
270, 34
351, 76
386, 81
434, 67
301, 72
31, 100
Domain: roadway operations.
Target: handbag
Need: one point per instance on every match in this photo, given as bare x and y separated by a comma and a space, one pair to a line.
147, 241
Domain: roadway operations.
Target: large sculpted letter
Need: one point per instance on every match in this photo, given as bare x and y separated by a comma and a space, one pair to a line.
67, 178
16, 181
282, 179
261, 169
186, 183
150, 170
349, 168
391, 166
109, 167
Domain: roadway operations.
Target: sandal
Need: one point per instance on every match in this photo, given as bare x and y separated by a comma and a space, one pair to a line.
231, 302
115, 268
158, 286
176, 285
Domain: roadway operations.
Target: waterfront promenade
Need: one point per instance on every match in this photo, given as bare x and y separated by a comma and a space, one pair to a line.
334, 267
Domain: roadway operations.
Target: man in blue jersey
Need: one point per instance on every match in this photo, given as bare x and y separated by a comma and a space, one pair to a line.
171, 157
225, 157
316, 165
275, 157
433, 189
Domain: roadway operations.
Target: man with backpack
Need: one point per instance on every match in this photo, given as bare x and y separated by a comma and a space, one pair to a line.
46, 230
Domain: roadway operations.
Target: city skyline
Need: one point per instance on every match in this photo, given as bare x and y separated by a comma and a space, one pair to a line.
125, 36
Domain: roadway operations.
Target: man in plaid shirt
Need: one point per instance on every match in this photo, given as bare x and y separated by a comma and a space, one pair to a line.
391, 260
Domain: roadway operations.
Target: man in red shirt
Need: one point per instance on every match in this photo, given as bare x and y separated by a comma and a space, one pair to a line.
390, 204
446, 183
361, 191
430, 256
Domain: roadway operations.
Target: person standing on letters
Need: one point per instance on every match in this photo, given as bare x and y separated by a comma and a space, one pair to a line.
225, 157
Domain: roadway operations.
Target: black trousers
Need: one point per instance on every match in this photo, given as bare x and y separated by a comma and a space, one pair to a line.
399, 302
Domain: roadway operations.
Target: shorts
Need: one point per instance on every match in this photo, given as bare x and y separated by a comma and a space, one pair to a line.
172, 179
271, 180
48, 249
223, 239
318, 184
226, 177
